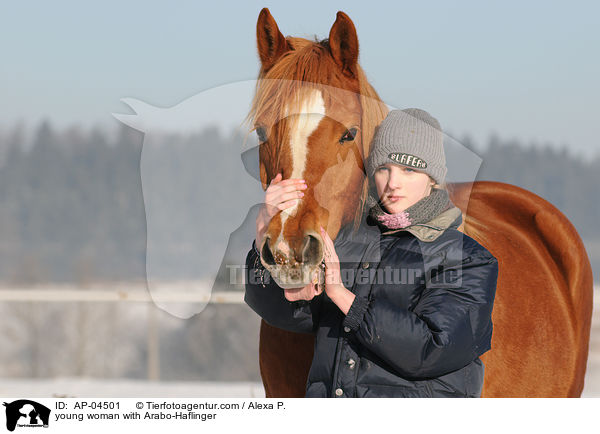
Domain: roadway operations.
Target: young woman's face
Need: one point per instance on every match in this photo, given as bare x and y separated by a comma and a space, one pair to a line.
399, 187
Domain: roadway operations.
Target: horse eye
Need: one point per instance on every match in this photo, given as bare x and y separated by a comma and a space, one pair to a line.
261, 133
348, 136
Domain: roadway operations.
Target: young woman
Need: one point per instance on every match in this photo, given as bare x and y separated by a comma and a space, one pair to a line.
417, 325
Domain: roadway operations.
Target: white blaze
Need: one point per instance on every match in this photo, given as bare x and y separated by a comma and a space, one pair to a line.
312, 110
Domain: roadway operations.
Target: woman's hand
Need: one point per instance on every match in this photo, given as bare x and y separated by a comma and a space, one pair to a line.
334, 288
278, 196
333, 277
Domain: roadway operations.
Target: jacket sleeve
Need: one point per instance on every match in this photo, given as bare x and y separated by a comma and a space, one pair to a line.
449, 327
267, 299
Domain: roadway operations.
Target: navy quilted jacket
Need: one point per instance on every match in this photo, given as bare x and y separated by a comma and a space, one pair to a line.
420, 320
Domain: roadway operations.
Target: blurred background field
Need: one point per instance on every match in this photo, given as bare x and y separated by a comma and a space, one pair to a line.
124, 348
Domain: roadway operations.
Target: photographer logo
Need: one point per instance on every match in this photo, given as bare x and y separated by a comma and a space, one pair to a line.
25, 413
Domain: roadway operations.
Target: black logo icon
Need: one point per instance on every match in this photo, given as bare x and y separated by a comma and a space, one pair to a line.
26, 413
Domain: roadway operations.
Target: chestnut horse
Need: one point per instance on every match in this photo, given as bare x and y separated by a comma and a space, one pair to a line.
315, 115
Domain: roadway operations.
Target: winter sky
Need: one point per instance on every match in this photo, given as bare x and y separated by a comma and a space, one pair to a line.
524, 70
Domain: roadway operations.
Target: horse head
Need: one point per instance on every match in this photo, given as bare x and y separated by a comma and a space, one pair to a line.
315, 114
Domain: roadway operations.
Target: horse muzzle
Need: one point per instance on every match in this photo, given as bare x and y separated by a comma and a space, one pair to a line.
290, 269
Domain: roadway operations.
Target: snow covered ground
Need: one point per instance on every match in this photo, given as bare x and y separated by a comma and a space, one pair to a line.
78, 387
592, 374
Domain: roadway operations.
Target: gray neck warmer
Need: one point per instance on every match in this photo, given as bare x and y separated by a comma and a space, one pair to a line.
423, 211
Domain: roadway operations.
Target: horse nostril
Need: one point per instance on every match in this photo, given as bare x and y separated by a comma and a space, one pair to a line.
266, 253
311, 250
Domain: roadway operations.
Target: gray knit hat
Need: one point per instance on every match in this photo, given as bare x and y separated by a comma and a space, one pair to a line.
412, 138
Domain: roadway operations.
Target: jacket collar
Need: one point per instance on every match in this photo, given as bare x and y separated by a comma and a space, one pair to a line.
430, 231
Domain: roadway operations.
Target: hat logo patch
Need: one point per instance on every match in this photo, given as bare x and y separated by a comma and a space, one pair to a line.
407, 160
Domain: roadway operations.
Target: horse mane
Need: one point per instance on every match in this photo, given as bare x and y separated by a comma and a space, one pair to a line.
289, 80
374, 112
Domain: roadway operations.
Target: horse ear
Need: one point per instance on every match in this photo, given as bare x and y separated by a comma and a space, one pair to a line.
343, 43
271, 43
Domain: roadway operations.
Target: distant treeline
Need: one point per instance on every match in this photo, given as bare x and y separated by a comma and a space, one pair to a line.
71, 205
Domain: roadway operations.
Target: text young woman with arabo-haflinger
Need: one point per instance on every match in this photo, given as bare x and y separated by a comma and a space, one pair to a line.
396, 336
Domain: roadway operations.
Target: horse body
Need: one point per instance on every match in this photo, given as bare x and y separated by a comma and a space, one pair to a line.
543, 307
310, 95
